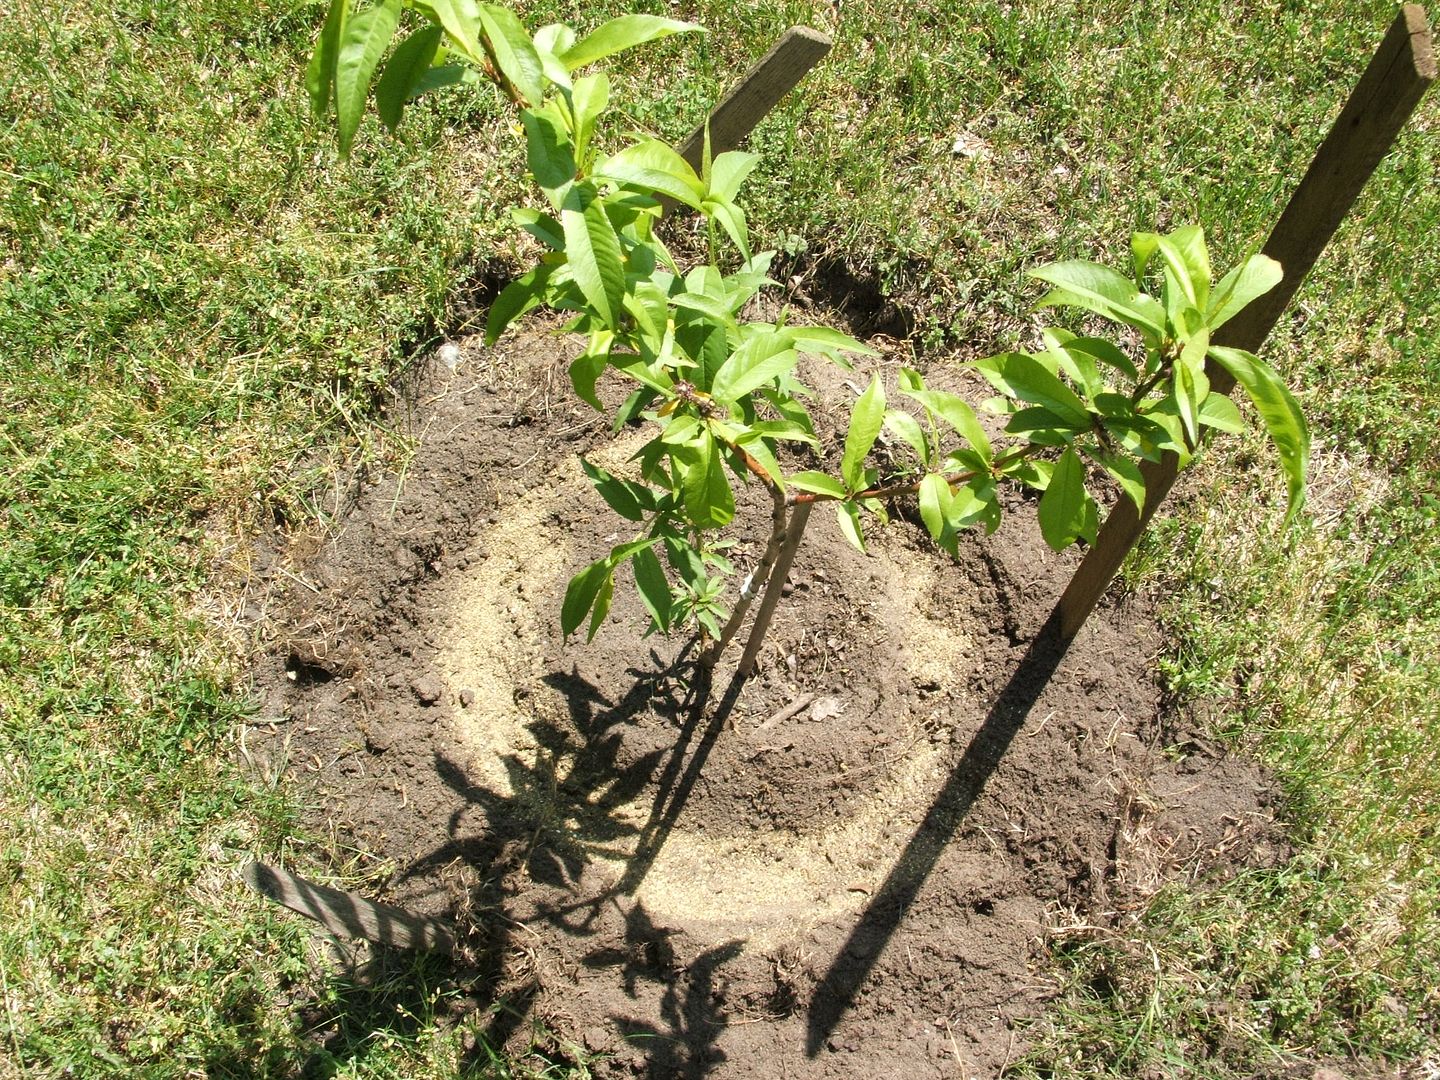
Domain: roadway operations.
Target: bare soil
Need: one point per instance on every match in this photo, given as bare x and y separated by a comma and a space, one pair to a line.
678, 887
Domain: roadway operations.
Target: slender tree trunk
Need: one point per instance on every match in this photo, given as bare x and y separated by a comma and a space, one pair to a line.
793, 534
754, 583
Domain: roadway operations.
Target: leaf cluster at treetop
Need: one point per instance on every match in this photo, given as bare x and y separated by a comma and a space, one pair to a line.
720, 392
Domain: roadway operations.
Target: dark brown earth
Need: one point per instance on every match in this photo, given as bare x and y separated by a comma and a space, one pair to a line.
866, 889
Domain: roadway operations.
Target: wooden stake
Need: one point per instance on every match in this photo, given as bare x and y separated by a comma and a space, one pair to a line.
348, 915
1387, 94
759, 90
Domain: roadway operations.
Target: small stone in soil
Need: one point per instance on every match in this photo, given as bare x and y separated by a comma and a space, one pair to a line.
467, 698
596, 1039
427, 689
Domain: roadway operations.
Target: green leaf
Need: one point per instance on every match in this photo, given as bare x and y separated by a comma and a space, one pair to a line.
680, 428
709, 502
653, 166
1281, 415
1186, 270
515, 53
593, 252
410, 61
1025, 377
865, 423
956, 412
541, 226
934, 504
847, 514
1127, 474
1143, 246
630, 501
1189, 393
1030, 472
1063, 518
1106, 352
1186, 246
975, 501
603, 596
823, 341
717, 311
1079, 365
554, 38
1220, 413
653, 587
588, 99
727, 173
685, 560
548, 153
784, 430
793, 412
758, 361
1165, 414
320, 73
550, 41
755, 445
706, 280
647, 375
1039, 425
817, 482
1254, 277
907, 428
445, 75
362, 43
623, 33
1104, 291
581, 593
458, 17
732, 220
585, 371
520, 296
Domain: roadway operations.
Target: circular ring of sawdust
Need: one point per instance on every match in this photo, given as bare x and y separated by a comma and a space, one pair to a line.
838, 876
758, 883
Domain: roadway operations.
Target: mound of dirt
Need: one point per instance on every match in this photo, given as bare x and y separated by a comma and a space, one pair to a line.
851, 868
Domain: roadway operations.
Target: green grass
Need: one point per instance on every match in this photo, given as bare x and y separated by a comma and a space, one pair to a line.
200, 313
202, 310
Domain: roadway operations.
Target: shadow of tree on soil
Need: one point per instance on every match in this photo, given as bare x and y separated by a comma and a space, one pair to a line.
560, 812
566, 808
694, 1017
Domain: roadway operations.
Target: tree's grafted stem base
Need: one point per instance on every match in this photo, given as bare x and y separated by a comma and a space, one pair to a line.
757, 580
794, 533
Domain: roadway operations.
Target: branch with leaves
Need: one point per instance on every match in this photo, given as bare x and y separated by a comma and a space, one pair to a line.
720, 394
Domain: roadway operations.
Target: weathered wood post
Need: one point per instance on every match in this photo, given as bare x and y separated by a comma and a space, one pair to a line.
349, 915
1392, 86
757, 92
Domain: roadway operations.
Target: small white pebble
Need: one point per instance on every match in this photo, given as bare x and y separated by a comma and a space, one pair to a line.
449, 355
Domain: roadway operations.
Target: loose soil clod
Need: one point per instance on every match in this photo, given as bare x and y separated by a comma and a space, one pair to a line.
860, 890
